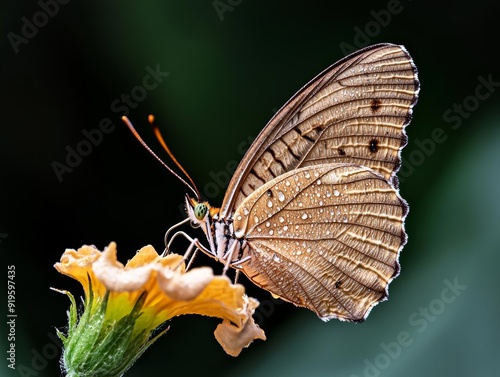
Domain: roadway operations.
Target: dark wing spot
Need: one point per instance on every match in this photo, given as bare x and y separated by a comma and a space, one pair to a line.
269, 193
338, 283
375, 105
373, 145
313, 134
341, 151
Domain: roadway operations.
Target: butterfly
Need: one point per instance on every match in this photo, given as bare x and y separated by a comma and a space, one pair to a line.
312, 213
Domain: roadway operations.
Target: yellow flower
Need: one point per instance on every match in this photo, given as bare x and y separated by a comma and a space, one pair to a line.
125, 304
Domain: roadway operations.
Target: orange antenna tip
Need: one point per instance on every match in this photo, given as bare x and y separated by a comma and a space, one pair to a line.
151, 119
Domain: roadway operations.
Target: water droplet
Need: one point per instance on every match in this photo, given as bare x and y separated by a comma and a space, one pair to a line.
307, 175
320, 203
330, 178
276, 258
344, 219
299, 252
318, 182
281, 219
268, 224
245, 211
328, 193
300, 204
238, 217
287, 183
336, 192
259, 229
304, 216
269, 203
281, 196
271, 232
256, 219
285, 228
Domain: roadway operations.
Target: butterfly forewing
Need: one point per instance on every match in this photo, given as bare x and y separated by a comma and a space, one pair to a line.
325, 237
353, 112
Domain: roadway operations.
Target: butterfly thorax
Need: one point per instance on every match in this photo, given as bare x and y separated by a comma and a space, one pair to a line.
224, 246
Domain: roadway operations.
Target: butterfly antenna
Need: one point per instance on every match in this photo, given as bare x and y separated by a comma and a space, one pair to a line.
138, 137
156, 130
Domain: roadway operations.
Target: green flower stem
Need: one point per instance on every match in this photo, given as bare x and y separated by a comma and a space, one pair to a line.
100, 346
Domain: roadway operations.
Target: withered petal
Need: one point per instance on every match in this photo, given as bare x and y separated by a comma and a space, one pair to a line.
233, 338
187, 286
115, 276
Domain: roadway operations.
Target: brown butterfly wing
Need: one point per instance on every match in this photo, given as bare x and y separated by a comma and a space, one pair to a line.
353, 112
325, 237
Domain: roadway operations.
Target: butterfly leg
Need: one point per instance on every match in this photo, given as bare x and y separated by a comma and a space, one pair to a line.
194, 245
228, 257
167, 243
192, 257
236, 276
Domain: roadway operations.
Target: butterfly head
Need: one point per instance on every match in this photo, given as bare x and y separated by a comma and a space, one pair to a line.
200, 213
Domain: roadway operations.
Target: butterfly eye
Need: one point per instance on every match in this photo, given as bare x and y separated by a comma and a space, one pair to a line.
200, 210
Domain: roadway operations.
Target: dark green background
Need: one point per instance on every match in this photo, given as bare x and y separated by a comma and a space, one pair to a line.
226, 77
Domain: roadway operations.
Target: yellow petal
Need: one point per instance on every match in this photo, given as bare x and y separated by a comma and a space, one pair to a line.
220, 298
78, 265
146, 255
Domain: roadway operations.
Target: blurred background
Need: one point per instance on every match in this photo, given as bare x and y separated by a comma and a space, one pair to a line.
225, 67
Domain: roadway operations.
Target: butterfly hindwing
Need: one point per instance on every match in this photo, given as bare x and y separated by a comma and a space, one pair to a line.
326, 237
